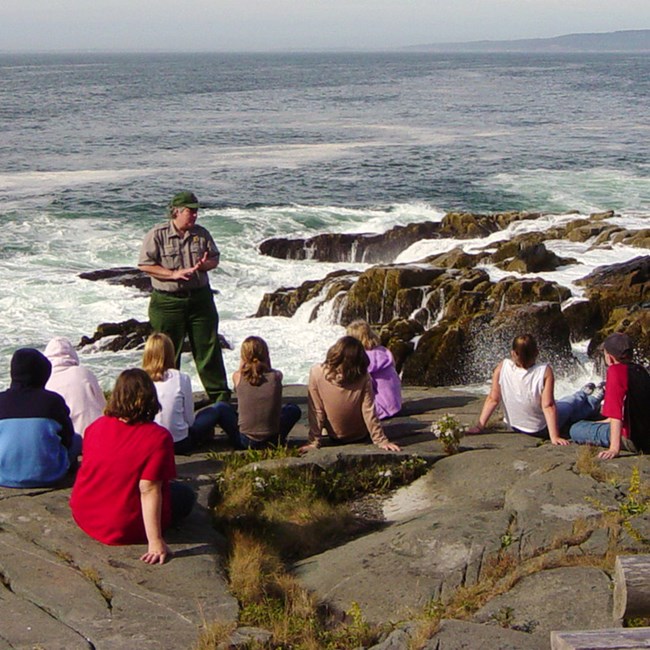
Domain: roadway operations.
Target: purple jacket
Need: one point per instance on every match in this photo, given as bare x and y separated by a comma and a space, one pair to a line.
385, 382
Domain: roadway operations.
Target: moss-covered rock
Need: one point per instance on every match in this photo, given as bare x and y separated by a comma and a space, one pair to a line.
286, 300
379, 293
465, 225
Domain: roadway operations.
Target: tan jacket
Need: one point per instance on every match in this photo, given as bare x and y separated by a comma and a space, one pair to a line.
346, 412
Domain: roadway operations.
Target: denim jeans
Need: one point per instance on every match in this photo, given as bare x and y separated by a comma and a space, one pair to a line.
74, 451
200, 432
227, 419
182, 500
590, 433
578, 406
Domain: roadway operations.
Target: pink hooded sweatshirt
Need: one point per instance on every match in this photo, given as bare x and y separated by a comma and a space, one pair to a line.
385, 382
77, 385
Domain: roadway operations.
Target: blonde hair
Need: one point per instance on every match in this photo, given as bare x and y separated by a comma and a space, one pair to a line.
255, 360
362, 331
159, 356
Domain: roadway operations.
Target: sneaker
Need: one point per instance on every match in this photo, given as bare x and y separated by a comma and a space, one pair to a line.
599, 391
588, 389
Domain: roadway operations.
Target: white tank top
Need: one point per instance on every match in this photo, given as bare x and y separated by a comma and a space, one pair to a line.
521, 393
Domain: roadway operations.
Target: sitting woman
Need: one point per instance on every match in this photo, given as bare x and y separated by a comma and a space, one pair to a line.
37, 443
123, 493
341, 399
261, 420
526, 389
174, 390
386, 383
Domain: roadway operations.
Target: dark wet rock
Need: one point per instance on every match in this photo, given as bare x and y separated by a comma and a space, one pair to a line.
584, 319
619, 295
385, 292
635, 322
477, 328
466, 225
635, 238
454, 259
287, 300
398, 336
126, 276
335, 247
128, 335
528, 257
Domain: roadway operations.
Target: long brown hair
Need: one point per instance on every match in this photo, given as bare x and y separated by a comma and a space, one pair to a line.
346, 361
255, 360
361, 330
134, 397
525, 350
159, 356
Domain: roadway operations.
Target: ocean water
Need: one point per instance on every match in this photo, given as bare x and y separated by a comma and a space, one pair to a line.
93, 146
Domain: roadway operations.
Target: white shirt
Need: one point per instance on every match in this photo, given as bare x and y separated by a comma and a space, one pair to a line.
175, 397
521, 393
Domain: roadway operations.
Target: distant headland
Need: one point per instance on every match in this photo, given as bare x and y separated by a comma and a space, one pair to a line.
632, 40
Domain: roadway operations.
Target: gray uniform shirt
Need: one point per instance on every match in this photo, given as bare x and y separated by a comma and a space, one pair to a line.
163, 245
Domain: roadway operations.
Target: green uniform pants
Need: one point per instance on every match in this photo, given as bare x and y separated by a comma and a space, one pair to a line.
193, 314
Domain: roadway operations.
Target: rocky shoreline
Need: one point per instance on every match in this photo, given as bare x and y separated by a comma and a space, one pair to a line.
444, 319
547, 513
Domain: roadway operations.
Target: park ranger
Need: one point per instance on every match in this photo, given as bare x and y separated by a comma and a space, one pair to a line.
177, 255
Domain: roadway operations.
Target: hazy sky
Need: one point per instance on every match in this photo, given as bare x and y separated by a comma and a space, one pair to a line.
235, 25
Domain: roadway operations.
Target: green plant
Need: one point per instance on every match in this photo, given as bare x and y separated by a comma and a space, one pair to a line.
449, 431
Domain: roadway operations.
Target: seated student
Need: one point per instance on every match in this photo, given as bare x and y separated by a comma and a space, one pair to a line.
123, 493
37, 442
526, 389
341, 400
626, 406
76, 384
174, 390
386, 383
261, 419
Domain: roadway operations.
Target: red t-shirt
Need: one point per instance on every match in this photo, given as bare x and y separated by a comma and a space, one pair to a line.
627, 394
105, 499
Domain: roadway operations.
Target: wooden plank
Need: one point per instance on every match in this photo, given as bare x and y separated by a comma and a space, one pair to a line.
632, 638
631, 587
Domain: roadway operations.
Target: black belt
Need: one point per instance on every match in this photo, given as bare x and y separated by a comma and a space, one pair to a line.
180, 293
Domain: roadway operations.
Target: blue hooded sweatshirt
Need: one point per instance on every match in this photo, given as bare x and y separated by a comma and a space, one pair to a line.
35, 426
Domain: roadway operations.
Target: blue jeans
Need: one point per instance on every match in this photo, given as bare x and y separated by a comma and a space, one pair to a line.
74, 451
227, 419
200, 432
182, 500
590, 433
578, 406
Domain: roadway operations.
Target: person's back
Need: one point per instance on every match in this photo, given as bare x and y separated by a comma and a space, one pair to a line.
628, 384
521, 393
347, 407
385, 382
76, 384
341, 399
259, 406
177, 407
35, 428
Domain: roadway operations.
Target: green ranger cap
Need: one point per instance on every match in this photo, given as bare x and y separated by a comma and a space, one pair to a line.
184, 200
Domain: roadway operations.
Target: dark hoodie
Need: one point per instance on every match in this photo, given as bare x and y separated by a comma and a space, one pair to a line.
35, 426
